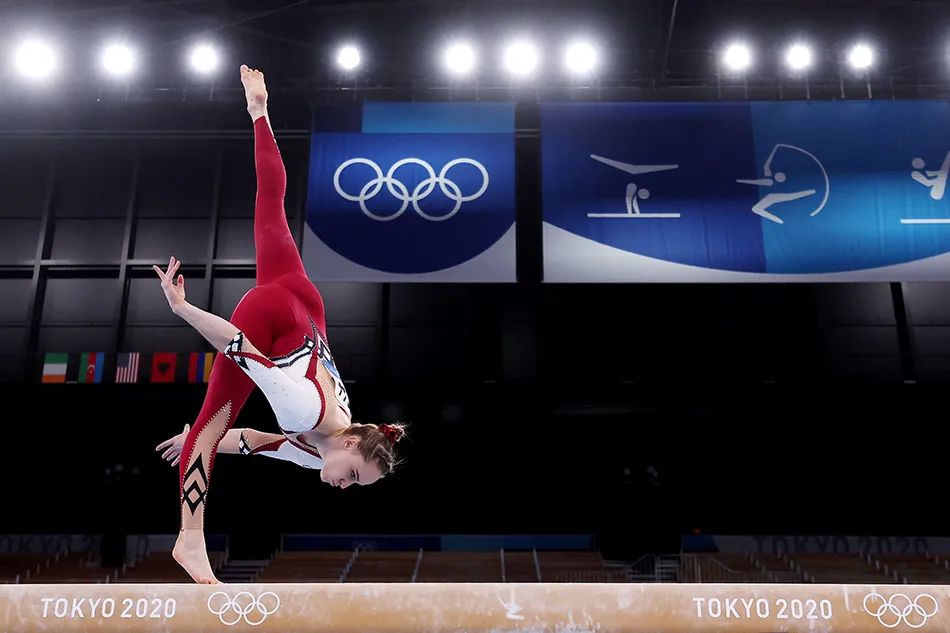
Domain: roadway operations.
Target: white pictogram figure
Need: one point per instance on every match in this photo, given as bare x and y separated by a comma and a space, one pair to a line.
761, 208
634, 191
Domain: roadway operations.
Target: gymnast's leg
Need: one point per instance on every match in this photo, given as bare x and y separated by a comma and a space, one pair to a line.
275, 250
260, 316
278, 260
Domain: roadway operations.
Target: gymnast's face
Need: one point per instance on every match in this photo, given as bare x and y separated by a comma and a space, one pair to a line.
344, 466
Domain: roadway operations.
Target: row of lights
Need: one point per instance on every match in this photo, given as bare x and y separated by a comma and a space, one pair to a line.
737, 57
37, 59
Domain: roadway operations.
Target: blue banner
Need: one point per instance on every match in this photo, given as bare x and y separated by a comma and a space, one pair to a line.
412, 192
734, 192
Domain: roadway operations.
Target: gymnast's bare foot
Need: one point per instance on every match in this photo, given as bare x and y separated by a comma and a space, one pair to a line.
191, 554
255, 91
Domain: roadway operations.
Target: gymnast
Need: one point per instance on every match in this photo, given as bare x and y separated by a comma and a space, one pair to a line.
276, 339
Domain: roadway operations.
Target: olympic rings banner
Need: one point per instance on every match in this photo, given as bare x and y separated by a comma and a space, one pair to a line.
746, 192
412, 192
476, 608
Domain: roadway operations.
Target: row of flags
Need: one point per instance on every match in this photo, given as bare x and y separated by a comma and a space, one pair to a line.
98, 367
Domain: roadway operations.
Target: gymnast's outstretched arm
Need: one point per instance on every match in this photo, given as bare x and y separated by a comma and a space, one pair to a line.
217, 331
231, 443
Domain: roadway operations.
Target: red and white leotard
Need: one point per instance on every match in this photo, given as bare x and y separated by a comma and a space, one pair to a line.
292, 387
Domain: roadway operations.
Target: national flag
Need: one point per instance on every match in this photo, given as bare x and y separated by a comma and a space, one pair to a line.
90, 367
127, 367
199, 366
163, 367
54, 368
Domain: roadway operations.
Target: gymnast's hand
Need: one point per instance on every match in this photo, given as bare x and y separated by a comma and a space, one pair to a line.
173, 445
174, 292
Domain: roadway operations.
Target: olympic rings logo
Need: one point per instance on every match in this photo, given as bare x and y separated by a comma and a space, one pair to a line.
899, 608
399, 191
243, 606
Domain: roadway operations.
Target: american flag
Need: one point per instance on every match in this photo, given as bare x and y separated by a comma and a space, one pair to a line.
127, 367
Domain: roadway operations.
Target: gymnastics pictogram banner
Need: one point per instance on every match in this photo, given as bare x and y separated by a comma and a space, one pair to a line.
746, 192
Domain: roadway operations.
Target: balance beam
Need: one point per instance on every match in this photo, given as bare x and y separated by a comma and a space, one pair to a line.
477, 608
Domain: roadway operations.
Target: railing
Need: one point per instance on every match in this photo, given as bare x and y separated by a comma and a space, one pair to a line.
415, 570
349, 564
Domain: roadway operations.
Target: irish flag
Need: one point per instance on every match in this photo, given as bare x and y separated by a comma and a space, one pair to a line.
54, 368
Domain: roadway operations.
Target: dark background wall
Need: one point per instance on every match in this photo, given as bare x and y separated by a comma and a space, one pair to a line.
613, 409
635, 412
